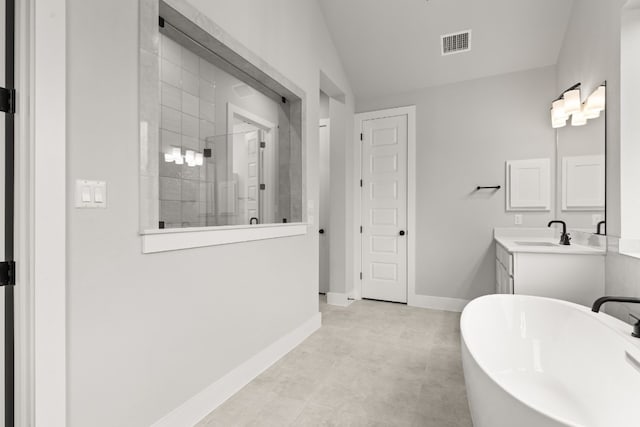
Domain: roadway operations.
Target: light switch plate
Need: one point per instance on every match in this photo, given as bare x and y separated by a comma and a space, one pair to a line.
91, 194
518, 219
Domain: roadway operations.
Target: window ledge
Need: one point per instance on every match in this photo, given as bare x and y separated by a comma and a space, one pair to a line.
154, 241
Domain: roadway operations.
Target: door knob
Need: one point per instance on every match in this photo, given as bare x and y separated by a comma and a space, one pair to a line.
401, 232
321, 231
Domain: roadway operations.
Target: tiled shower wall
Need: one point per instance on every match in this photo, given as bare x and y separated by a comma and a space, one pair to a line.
187, 118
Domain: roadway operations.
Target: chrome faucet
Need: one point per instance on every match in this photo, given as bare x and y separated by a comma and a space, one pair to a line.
565, 239
598, 303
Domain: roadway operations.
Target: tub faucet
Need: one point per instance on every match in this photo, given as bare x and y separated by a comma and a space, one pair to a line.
599, 228
598, 303
565, 239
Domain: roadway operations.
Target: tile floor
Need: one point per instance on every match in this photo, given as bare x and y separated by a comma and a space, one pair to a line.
371, 364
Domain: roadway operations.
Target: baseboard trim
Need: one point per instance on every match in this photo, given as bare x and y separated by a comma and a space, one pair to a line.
199, 406
341, 300
438, 303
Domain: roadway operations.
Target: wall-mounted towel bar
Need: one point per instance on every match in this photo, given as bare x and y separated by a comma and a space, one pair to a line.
495, 187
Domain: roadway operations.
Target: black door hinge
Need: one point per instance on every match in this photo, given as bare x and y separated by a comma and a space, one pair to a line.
7, 273
263, 144
361, 137
263, 186
361, 275
360, 183
7, 100
360, 229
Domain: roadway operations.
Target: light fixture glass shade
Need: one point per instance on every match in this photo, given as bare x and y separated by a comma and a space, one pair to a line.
199, 159
590, 113
578, 119
572, 102
597, 100
557, 111
558, 122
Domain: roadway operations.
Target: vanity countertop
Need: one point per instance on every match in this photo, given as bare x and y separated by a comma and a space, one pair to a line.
548, 245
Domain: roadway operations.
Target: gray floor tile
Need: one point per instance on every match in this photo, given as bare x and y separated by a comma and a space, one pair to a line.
371, 364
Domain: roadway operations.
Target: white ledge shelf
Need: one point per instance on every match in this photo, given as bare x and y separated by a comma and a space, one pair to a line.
173, 239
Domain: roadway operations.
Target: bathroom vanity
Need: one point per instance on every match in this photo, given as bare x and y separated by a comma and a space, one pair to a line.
533, 263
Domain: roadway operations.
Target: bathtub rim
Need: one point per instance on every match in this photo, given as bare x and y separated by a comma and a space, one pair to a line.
617, 326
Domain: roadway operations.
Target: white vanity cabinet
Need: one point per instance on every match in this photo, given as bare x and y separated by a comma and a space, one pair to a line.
566, 273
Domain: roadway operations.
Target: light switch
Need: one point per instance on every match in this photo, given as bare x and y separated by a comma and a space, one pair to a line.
98, 196
518, 219
86, 194
91, 194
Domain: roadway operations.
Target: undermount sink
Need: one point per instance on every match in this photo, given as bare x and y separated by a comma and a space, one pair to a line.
536, 244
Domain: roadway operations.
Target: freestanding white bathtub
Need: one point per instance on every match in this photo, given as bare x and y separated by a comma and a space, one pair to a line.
538, 362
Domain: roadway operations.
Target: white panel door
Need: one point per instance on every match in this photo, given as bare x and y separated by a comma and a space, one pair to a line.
384, 209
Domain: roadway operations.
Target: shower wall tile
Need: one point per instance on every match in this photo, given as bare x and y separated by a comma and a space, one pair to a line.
190, 126
190, 61
170, 211
190, 143
207, 111
187, 116
191, 212
171, 120
171, 51
190, 83
190, 190
171, 96
207, 91
170, 73
207, 129
170, 188
190, 104
207, 71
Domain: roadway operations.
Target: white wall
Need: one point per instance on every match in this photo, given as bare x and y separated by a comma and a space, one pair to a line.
465, 133
147, 332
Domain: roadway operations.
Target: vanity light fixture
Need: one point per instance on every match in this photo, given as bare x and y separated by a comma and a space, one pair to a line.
578, 118
568, 105
557, 123
572, 101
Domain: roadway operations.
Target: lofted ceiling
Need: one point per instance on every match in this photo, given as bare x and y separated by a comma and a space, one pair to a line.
393, 46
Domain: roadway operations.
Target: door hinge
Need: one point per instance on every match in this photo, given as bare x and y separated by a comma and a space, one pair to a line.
263, 144
362, 137
7, 100
360, 183
7, 273
360, 229
263, 186
361, 275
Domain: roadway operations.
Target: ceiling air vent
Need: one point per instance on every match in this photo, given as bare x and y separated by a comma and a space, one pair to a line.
456, 43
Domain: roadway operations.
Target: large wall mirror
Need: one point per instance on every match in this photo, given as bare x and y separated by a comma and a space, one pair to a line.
580, 160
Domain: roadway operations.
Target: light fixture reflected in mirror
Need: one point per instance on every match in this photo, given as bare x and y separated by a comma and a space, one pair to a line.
190, 157
569, 105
